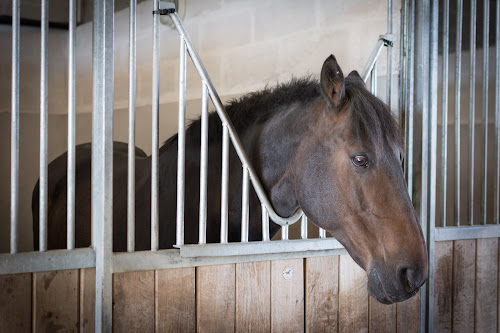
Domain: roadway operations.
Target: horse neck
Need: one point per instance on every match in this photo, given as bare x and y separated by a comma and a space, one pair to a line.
273, 149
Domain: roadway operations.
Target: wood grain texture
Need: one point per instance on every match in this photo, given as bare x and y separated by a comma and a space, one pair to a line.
15, 303
133, 302
443, 286
408, 315
486, 285
56, 303
175, 300
353, 297
215, 298
464, 274
382, 317
287, 296
322, 298
253, 297
87, 300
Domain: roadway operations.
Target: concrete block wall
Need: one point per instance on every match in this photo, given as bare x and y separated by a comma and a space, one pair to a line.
245, 45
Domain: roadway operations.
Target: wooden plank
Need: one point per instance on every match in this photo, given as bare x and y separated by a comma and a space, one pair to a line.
56, 301
253, 297
175, 300
15, 303
382, 317
215, 298
353, 297
287, 295
443, 286
408, 315
133, 302
464, 259
87, 300
322, 294
486, 285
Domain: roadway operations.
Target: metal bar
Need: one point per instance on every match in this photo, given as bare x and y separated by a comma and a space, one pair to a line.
389, 54
181, 145
254, 248
497, 112
226, 121
444, 111
224, 184
486, 49
132, 56
244, 206
163, 259
70, 208
202, 233
28, 262
458, 79
303, 227
322, 233
102, 161
467, 232
284, 232
265, 223
410, 120
14, 132
44, 117
472, 103
373, 79
155, 215
403, 77
383, 39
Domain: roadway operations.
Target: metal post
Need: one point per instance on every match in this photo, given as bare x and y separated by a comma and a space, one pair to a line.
303, 227
155, 216
202, 233
102, 161
265, 223
43, 126
284, 232
410, 121
181, 144
225, 184
244, 206
389, 53
444, 112
14, 132
486, 49
132, 52
472, 103
458, 79
497, 112
373, 80
70, 209
322, 233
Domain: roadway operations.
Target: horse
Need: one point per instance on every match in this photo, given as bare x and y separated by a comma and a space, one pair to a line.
327, 146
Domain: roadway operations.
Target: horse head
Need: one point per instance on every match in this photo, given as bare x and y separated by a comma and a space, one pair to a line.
349, 181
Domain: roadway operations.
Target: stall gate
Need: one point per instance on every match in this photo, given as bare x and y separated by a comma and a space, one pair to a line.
295, 285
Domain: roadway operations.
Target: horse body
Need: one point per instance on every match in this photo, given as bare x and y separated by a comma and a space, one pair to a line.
330, 148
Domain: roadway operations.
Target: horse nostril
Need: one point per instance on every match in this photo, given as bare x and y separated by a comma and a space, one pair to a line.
409, 278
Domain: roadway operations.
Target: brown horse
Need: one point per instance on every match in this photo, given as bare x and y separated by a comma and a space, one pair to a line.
330, 148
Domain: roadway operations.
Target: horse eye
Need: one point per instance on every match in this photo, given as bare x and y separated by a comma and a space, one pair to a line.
360, 160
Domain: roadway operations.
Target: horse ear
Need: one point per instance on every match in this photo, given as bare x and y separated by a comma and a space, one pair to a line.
332, 81
355, 75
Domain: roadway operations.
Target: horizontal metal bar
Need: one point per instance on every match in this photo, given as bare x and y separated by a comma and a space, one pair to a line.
469, 232
46, 261
252, 248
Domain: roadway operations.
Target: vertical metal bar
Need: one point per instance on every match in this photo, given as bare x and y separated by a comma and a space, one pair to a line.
132, 53
472, 103
265, 223
322, 233
497, 112
486, 49
444, 111
244, 206
284, 232
403, 77
410, 121
389, 53
102, 161
373, 80
70, 209
458, 79
224, 184
202, 233
303, 227
43, 126
155, 215
181, 144
14, 132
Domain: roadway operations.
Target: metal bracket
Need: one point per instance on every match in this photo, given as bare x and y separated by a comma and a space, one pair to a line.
388, 39
165, 8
